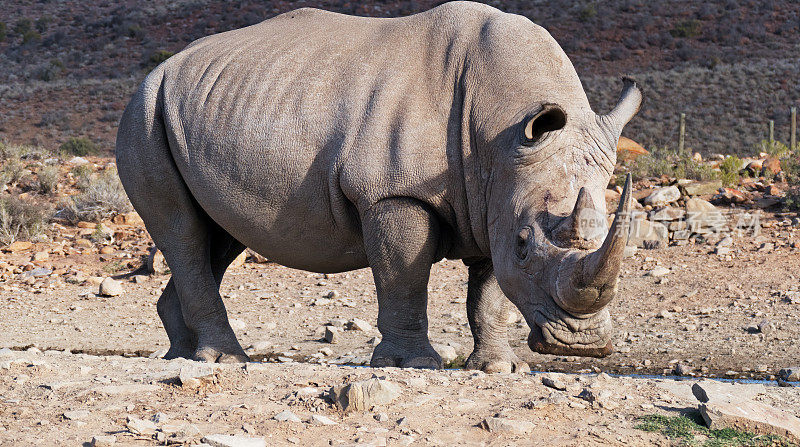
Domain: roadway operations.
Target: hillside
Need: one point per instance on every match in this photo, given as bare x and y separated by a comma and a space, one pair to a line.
67, 68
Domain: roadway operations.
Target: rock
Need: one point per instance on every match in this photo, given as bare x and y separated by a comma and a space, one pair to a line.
771, 165
77, 161
286, 416
326, 351
447, 352
702, 188
156, 262
644, 232
357, 324
727, 241
332, 334
496, 424
791, 297
18, 246
40, 256
103, 441
628, 149
110, 287
76, 415
234, 441
239, 261
318, 419
360, 396
703, 217
554, 383
658, 271
747, 415
106, 250
139, 279
131, 218
256, 257
728, 196
666, 214
140, 426
663, 196
791, 374
682, 369
196, 374
723, 251
381, 417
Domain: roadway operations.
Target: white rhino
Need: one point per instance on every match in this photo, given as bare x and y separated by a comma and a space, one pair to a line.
328, 143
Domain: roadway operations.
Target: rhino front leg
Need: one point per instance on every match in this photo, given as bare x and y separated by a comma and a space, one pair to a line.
401, 237
487, 308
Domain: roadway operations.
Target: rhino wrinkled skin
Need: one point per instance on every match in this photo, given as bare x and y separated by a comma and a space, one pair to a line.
329, 143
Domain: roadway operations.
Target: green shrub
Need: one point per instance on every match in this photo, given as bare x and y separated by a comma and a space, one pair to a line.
48, 179
687, 28
775, 149
588, 12
42, 23
662, 161
729, 170
78, 146
23, 26
160, 56
20, 220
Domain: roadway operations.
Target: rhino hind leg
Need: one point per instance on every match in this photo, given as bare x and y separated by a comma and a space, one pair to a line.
487, 308
183, 341
401, 237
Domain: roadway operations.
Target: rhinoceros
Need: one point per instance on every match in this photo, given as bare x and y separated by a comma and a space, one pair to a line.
328, 143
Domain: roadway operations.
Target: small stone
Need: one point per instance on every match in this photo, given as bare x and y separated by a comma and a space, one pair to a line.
76, 415
196, 374
110, 287
239, 261
682, 369
18, 246
658, 271
160, 418
140, 426
360, 396
326, 351
156, 262
40, 256
106, 250
139, 279
357, 324
77, 161
103, 441
702, 188
496, 424
791, 374
234, 441
318, 419
722, 251
446, 352
286, 416
381, 417
332, 334
554, 383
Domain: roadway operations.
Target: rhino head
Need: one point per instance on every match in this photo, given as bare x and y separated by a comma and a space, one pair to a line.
554, 255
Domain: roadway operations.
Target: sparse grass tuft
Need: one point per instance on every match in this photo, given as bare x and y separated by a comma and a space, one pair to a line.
160, 56
687, 28
21, 220
775, 149
103, 198
83, 176
79, 146
457, 363
48, 179
688, 430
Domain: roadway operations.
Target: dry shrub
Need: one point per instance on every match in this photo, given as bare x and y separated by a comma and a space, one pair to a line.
21, 220
103, 198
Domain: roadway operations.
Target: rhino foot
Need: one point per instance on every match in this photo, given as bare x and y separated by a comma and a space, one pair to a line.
422, 357
496, 361
214, 355
176, 351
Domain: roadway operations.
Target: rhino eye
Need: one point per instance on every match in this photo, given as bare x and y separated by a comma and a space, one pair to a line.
550, 118
521, 245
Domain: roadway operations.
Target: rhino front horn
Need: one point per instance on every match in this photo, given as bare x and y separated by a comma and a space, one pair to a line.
586, 282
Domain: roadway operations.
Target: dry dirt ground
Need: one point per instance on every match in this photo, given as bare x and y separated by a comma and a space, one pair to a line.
693, 321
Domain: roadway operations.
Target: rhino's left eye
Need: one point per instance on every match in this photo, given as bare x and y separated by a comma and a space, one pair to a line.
550, 118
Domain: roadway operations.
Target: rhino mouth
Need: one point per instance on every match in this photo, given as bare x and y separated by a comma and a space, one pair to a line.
556, 332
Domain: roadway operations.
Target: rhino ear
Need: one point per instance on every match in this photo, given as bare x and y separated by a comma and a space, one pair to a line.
550, 118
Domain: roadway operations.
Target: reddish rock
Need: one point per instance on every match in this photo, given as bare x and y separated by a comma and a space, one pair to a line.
628, 149
772, 165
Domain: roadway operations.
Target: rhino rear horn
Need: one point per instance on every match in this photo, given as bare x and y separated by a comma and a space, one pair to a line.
628, 104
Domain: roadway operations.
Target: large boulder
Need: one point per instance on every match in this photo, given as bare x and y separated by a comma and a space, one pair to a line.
663, 196
702, 217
